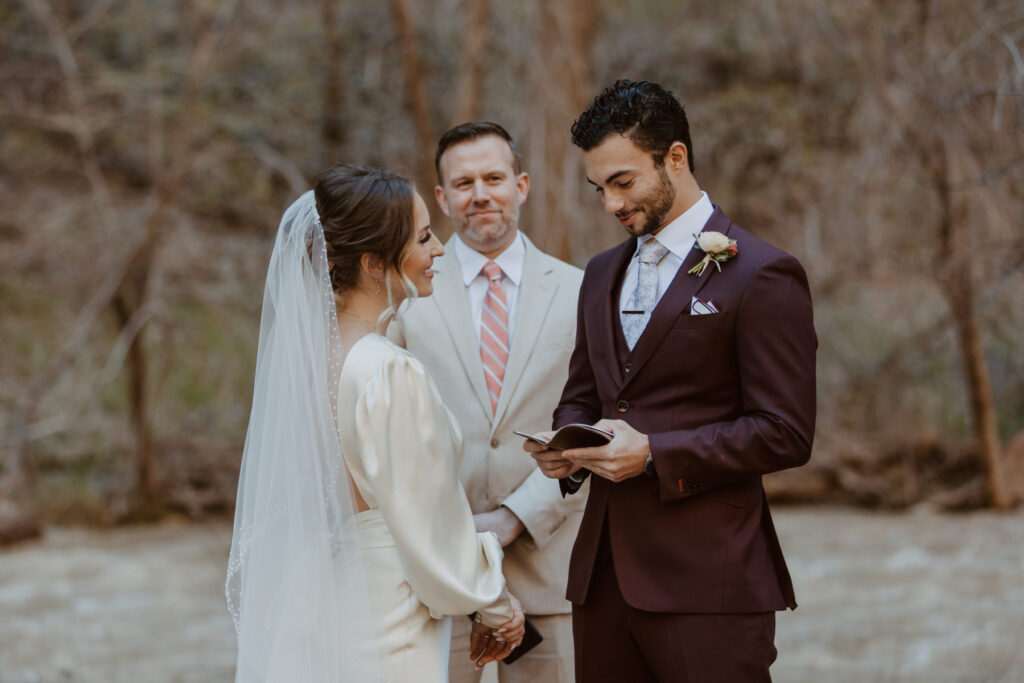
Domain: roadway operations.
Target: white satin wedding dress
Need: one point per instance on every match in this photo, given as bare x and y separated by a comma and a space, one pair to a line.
424, 559
318, 591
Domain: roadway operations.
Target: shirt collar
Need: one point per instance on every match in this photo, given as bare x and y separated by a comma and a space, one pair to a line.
510, 261
679, 235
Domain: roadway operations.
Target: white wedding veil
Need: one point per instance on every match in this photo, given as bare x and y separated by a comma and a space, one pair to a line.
296, 584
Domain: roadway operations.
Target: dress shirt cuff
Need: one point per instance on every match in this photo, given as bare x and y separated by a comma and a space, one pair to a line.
571, 484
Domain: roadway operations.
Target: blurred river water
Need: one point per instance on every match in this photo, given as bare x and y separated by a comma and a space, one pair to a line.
919, 596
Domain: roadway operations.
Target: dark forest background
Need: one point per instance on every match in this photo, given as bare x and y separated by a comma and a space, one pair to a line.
147, 150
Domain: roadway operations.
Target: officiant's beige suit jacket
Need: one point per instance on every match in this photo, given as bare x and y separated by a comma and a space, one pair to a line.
495, 469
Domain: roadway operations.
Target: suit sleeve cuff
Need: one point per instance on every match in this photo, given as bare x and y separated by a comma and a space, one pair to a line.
539, 506
674, 479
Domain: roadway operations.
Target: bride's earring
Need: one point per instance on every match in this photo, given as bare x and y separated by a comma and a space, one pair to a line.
378, 287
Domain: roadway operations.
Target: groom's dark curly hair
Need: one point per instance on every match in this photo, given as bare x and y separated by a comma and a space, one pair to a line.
644, 112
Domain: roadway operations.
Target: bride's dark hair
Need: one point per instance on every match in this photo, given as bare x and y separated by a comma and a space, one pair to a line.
364, 210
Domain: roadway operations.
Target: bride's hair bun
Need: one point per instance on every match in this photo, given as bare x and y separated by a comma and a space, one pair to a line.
363, 210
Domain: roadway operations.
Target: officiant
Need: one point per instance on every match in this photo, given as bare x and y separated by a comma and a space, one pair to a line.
496, 337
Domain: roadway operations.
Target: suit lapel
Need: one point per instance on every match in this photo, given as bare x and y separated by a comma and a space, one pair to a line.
457, 318
676, 299
609, 312
536, 294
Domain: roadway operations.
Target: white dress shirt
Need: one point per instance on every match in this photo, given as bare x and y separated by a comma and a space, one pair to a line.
678, 237
511, 263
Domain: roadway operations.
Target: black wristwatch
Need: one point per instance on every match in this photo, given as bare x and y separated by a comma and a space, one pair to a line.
649, 467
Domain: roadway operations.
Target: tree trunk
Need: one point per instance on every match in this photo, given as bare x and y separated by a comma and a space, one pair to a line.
130, 305
955, 269
561, 81
142, 446
416, 100
979, 390
947, 168
332, 132
471, 80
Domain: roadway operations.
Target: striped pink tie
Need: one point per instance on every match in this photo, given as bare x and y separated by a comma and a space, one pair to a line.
494, 333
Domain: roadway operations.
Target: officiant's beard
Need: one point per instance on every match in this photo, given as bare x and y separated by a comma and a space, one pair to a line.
487, 235
655, 205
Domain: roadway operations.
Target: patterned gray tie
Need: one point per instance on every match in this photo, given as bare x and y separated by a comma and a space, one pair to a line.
633, 324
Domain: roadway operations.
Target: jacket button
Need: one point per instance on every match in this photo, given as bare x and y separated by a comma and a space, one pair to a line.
494, 443
628, 367
622, 406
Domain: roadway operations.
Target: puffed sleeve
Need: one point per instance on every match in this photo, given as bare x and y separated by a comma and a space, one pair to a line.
410, 449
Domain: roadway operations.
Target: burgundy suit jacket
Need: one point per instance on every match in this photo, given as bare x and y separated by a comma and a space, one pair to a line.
724, 398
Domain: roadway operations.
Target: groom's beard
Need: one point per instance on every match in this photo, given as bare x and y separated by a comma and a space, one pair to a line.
655, 206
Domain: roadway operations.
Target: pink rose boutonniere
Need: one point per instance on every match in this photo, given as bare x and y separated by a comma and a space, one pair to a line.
717, 249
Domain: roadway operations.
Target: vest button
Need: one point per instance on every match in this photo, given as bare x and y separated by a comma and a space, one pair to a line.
628, 366
494, 443
622, 406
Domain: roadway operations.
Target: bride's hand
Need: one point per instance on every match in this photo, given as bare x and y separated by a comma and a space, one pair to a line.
513, 630
492, 645
487, 645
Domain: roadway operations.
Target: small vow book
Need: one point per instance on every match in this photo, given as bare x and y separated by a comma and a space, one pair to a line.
530, 640
572, 436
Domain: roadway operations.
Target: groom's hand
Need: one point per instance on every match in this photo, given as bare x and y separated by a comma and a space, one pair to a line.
502, 522
621, 458
553, 464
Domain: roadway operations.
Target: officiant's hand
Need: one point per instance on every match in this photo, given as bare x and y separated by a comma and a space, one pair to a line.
621, 458
502, 522
552, 463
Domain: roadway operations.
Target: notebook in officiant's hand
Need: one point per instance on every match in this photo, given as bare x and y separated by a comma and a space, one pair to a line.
572, 436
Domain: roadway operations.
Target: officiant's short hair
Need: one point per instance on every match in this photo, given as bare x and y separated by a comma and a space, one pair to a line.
642, 111
472, 130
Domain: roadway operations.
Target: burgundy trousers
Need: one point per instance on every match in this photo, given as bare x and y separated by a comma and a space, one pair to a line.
616, 643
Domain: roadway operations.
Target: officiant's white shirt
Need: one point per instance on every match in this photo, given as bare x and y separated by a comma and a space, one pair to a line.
472, 263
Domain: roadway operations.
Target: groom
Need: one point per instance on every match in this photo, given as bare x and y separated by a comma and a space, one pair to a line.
707, 381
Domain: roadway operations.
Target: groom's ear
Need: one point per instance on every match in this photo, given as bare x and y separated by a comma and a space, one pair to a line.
677, 157
442, 199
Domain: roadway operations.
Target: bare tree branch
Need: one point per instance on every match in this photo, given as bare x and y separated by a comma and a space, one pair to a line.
83, 132
93, 15
135, 259
280, 164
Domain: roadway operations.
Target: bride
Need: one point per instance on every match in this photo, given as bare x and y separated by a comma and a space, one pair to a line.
354, 543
